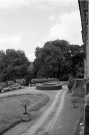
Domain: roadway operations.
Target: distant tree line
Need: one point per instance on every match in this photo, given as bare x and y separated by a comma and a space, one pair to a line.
59, 59
56, 59
13, 65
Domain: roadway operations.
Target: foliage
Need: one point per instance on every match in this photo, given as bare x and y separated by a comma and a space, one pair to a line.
49, 87
59, 59
23, 82
18, 81
25, 104
78, 64
10, 83
13, 65
56, 59
43, 80
47, 61
2, 85
71, 82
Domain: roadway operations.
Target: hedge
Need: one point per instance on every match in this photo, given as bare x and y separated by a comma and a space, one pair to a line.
46, 87
42, 80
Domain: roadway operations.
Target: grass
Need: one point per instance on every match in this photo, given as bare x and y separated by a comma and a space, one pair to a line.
11, 111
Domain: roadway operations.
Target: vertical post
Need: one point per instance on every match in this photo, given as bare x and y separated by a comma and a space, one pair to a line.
87, 53
84, 69
86, 109
87, 66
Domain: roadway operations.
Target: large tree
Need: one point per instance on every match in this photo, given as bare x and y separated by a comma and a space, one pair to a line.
58, 59
47, 62
14, 64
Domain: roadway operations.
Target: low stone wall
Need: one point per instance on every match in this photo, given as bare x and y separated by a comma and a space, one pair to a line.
48, 87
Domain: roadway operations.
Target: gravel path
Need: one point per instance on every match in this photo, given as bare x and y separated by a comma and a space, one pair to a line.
44, 124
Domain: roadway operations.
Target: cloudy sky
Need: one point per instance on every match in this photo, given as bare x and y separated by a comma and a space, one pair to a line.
26, 24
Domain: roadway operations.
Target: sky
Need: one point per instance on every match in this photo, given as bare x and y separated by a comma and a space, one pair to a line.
26, 24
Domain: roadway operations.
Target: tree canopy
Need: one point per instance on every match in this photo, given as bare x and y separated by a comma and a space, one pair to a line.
58, 59
13, 64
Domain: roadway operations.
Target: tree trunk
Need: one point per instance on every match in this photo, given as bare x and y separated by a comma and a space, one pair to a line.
25, 107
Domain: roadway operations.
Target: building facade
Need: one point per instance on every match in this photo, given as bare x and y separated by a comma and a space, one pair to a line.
83, 7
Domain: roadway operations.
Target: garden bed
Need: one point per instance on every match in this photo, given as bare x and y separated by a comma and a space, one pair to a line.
49, 87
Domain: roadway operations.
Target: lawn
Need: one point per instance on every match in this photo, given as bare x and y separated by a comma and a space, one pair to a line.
11, 110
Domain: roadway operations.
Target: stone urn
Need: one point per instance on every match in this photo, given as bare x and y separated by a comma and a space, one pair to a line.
26, 117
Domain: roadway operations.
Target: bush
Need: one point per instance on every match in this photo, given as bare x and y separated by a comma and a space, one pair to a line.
2, 84
18, 81
10, 83
48, 87
42, 80
64, 77
71, 82
33, 81
23, 82
15, 86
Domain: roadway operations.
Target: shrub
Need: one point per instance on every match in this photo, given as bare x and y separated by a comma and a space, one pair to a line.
48, 87
2, 84
42, 80
33, 81
18, 81
10, 83
23, 82
71, 82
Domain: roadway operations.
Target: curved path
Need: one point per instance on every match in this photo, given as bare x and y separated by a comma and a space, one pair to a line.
48, 119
